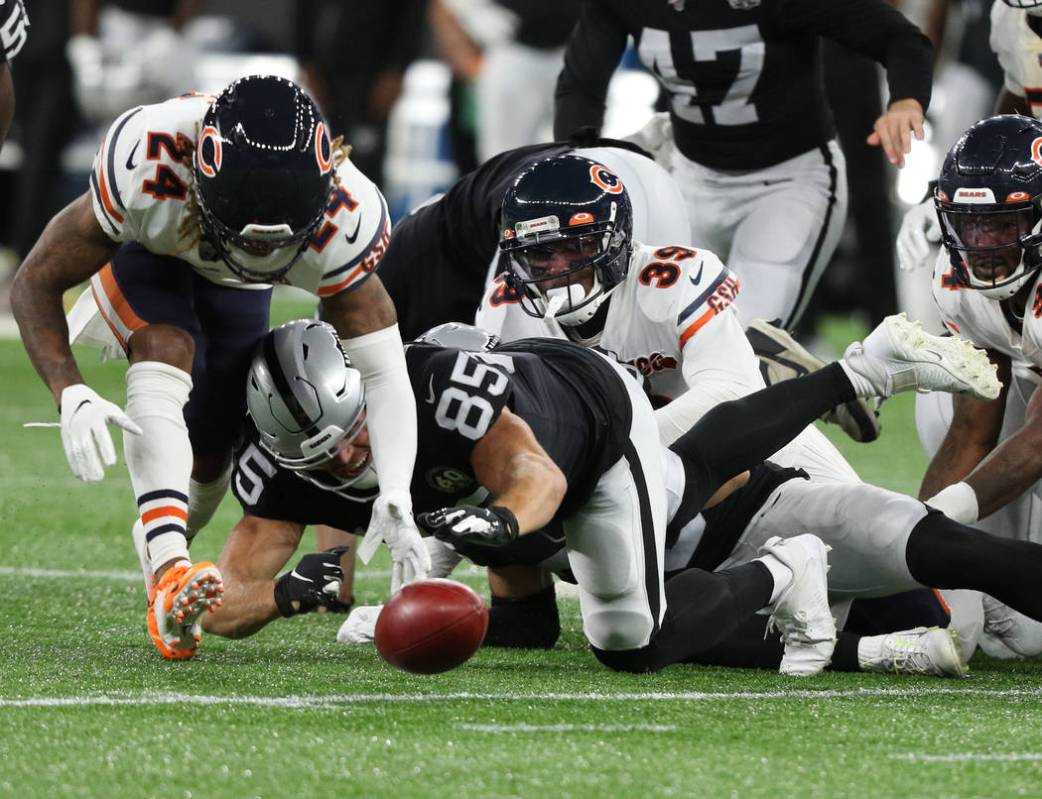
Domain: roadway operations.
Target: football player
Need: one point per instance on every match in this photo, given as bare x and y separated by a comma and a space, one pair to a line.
753, 143
14, 24
195, 207
546, 434
985, 468
454, 238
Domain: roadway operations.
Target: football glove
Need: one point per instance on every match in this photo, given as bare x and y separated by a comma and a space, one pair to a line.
920, 232
391, 522
360, 626
313, 583
85, 435
494, 526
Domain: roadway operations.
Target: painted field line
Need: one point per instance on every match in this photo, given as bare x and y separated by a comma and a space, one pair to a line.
509, 728
334, 700
970, 757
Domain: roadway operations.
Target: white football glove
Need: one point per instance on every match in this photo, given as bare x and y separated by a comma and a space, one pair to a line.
85, 435
360, 625
391, 522
920, 231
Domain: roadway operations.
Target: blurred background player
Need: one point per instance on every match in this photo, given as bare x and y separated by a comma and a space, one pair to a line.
229, 194
752, 137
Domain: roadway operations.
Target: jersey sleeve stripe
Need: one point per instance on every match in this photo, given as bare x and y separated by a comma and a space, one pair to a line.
705, 295
377, 235
101, 204
114, 306
696, 326
111, 160
105, 201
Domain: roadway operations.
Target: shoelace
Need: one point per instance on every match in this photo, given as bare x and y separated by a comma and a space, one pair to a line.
906, 652
794, 628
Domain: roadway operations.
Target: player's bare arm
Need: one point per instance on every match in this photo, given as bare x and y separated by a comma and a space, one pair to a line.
518, 582
1013, 466
254, 553
973, 434
71, 249
519, 473
361, 310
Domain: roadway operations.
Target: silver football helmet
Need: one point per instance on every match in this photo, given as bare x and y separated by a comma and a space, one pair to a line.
306, 399
459, 336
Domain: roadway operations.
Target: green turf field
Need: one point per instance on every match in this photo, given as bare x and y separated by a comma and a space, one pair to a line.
87, 707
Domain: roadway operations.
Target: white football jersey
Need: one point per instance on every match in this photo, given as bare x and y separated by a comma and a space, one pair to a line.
1019, 50
667, 296
142, 179
969, 314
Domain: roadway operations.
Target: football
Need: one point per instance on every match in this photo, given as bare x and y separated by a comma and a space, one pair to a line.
431, 626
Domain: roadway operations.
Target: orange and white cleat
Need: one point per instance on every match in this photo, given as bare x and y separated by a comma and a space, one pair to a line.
179, 599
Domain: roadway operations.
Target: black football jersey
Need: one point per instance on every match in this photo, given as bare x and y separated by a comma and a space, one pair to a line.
572, 399
744, 77
14, 28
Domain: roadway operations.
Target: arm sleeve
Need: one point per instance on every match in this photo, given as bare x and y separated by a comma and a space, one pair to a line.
593, 52
875, 29
390, 404
718, 366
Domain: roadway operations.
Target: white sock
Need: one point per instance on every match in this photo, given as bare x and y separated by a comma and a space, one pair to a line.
781, 574
160, 459
862, 387
869, 650
204, 499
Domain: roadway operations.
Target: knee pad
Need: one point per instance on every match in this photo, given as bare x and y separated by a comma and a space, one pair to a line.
617, 630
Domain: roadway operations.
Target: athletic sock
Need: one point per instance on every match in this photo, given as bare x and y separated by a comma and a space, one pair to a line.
203, 501
780, 573
160, 459
845, 655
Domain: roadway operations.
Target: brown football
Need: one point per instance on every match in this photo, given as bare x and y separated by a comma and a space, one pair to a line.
431, 626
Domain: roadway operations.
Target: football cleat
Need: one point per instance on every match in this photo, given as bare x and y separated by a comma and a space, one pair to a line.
1007, 634
900, 356
923, 650
178, 601
802, 613
783, 358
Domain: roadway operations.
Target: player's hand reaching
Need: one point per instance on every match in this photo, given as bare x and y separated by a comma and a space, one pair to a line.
85, 434
894, 130
391, 522
494, 526
920, 230
313, 583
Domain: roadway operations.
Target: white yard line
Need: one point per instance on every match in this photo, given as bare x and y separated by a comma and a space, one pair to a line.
334, 700
508, 728
970, 757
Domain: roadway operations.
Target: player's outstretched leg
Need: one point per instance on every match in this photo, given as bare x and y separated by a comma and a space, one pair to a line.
180, 598
900, 356
801, 613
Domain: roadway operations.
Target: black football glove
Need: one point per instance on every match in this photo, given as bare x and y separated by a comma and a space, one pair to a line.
313, 583
494, 526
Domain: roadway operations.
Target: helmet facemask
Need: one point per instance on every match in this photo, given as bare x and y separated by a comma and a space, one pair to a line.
1033, 7
565, 274
996, 246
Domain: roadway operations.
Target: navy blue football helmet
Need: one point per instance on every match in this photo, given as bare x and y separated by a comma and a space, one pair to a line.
989, 202
263, 175
565, 221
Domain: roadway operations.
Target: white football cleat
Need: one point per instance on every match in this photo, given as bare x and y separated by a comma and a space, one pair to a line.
1009, 634
900, 356
932, 651
802, 613
783, 358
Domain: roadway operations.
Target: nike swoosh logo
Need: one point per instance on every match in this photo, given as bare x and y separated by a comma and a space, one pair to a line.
299, 576
698, 278
430, 391
130, 162
936, 355
352, 236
